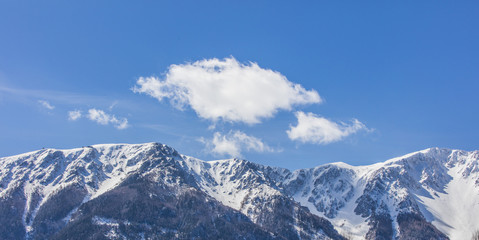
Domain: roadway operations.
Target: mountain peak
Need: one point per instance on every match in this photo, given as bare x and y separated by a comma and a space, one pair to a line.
381, 200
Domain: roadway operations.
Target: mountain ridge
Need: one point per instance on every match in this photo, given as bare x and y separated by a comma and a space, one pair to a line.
384, 200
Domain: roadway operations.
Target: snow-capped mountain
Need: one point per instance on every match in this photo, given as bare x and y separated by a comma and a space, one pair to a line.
144, 191
431, 194
150, 191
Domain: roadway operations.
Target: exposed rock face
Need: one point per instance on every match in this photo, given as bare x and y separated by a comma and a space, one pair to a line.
414, 226
150, 191
327, 187
141, 208
146, 191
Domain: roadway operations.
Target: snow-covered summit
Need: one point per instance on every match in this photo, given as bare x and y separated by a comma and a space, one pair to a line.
435, 185
437, 189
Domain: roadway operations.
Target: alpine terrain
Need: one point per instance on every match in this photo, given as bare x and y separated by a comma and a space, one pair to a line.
150, 191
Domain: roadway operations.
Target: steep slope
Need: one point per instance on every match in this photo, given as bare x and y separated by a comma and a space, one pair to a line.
459, 196
151, 191
257, 192
423, 195
40, 180
330, 191
142, 191
159, 201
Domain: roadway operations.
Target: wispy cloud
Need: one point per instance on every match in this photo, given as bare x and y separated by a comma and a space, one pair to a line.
65, 98
234, 143
113, 105
46, 104
315, 129
227, 90
100, 117
74, 115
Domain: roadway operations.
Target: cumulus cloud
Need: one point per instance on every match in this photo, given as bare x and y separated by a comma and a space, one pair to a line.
226, 89
103, 118
74, 115
234, 143
46, 104
315, 129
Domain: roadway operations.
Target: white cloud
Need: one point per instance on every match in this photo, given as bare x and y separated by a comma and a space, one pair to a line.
234, 143
226, 89
315, 129
46, 104
103, 118
74, 115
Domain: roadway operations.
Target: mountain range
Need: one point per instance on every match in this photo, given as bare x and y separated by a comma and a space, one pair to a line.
150, 191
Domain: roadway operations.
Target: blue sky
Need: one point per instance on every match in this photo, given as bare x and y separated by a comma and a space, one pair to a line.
390, 77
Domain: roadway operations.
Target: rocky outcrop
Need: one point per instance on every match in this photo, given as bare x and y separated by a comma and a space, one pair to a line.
151, 191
